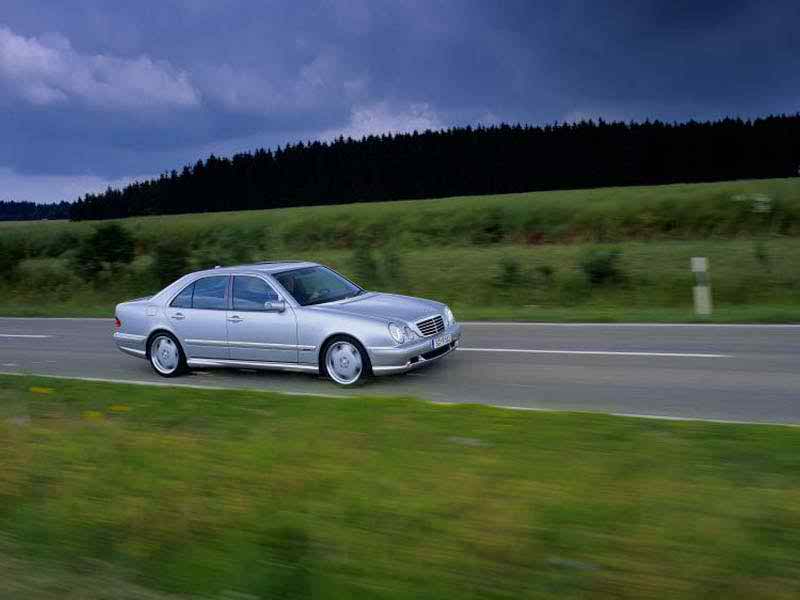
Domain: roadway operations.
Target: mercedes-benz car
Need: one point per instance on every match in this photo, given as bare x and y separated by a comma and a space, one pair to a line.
297, 316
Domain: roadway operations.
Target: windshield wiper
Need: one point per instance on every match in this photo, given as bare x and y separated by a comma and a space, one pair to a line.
336, 298
326, 300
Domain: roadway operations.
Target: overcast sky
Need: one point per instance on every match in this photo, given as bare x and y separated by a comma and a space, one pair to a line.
96, 93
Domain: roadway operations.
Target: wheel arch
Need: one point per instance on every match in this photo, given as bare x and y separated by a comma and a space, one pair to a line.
154, 333
340, 334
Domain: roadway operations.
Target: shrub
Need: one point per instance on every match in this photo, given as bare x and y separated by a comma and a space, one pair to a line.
391, 261
10, 256
111, 244
364, 266
237, 244
546, 273
490, 226
60, 243
601, 266
86, 263
229, 245
761, 254
573, 288
170, 261
509, 273
509, 282
300, 235
207, 258
48, 277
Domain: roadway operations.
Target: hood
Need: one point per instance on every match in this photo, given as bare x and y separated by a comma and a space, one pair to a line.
388, 307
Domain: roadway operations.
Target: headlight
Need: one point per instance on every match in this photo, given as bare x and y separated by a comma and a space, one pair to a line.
396, 331
448, 315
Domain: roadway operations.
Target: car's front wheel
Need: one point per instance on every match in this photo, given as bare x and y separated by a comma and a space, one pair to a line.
345, 361
166, 356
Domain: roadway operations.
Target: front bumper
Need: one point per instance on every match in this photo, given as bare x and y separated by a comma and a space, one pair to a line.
399, 359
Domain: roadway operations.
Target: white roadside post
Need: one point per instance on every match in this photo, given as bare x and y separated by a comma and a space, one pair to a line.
702, 291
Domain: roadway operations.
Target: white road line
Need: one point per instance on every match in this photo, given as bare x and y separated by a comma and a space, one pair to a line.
598, 352
174, 385
444, 404
726, 421
109, 319
646, 416
30, 336
717, 325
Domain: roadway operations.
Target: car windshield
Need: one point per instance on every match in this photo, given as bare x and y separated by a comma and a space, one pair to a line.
316, 285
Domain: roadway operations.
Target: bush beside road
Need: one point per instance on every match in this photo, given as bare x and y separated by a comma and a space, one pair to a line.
152, 491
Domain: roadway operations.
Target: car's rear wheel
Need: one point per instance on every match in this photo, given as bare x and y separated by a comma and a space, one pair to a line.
345, 361
166, 355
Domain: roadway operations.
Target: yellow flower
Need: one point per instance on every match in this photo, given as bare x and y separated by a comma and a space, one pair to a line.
41, 390
92, 415
118, 408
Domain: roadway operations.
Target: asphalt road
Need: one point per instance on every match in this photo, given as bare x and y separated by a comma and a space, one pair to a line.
737, 373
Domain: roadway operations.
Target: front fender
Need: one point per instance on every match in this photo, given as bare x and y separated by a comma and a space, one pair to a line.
316, 327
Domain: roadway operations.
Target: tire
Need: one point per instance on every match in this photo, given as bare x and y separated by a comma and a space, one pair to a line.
165, 355
345, 361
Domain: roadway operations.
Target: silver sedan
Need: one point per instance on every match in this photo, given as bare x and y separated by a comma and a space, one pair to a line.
297, 316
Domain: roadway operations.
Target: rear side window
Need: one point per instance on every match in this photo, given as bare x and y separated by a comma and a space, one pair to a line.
251, 293
209, 292
184, 299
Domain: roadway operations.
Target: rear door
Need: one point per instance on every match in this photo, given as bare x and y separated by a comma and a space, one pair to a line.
254, 333
198, 315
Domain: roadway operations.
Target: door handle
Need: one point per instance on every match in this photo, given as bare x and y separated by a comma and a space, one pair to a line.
235, 319
178, 316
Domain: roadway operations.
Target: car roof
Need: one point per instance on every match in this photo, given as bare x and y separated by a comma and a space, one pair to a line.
263, 267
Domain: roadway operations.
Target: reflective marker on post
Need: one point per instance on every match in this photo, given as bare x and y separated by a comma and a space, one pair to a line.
702, 291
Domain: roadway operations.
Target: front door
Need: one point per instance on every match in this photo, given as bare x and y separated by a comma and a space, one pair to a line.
255, 332
198, 315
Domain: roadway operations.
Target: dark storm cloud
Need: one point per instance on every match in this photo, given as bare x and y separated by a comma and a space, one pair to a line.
98, 91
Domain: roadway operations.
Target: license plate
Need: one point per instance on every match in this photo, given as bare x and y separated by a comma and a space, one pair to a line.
442, 340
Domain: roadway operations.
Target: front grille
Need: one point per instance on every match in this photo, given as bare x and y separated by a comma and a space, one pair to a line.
431, 326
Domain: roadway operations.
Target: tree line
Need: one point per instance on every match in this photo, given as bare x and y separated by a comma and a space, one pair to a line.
28, 211
460, 161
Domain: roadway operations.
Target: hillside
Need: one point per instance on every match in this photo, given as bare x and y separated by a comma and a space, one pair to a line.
532, 256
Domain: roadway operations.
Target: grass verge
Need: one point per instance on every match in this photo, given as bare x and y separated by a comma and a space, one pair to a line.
750, 282
114, 491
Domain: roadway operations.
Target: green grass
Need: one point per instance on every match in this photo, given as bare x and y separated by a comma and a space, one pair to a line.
657, 284
112, 491
682, 211
461, 250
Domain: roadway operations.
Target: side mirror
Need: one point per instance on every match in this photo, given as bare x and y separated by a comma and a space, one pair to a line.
277, 306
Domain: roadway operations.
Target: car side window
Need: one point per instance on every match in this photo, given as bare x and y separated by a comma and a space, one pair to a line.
209, 292
184, 299
251, 293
